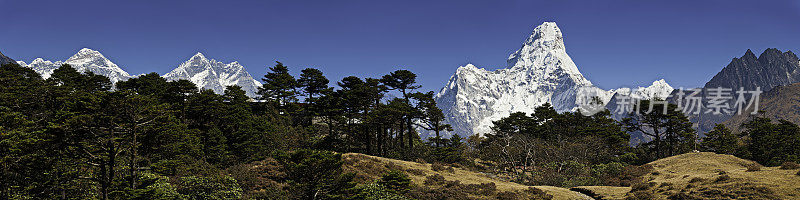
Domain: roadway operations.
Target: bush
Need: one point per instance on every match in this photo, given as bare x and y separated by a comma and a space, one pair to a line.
696, 179
440, 167
396, 181
375, 191
798, 173
753, 167
416, 172
642, 186
722, 178
436, 179
790, 165
210, 187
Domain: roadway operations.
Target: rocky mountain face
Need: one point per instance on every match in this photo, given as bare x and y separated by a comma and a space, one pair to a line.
771, 69
83, 61
539, 72
780, 103
214, 75
5, 60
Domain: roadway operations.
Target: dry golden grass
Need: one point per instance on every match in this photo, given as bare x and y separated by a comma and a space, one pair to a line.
708, 175
370, 167
603, 192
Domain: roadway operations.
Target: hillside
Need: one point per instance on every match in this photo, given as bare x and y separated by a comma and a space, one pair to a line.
782, 102
371, 167
706, 176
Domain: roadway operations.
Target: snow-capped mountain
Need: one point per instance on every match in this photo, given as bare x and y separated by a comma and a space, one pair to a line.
85, 60
214, 75
539, 72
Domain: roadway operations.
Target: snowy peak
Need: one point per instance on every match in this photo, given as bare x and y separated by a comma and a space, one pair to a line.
546, 35
198, 56
214, 75
85, 60
90, 60
659, 89
544, 53
539, 72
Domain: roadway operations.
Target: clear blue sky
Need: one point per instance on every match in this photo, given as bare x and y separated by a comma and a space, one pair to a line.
614, 43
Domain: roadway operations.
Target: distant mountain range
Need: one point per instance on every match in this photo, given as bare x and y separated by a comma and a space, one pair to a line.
771, 69
205, 73
537, 73
214, 75
779, 103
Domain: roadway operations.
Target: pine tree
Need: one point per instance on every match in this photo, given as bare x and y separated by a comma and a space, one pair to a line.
720, 140
279, 86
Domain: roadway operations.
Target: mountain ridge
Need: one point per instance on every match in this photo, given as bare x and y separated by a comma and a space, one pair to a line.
539, 72
214, 75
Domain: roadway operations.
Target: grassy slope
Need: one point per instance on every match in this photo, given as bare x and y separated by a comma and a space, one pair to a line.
698, 175
371, 167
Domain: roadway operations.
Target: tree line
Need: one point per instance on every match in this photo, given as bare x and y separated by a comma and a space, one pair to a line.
79, 136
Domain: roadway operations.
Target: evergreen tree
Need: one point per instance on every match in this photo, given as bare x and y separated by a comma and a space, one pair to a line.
720, 140
670, 129
405, 82
279, 86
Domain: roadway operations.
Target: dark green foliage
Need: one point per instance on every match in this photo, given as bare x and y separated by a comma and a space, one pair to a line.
218, 188
279, 86
670, 129
396, 181
772, 144
542, 148
316, 174
720, 140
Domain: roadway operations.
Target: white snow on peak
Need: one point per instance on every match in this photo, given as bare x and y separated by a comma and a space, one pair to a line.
85, 60
539, 72
659, 89
214, 75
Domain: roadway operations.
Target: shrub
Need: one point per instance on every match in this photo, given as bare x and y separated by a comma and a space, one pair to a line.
416, 172
753, 167
722, 178
642, 186
396, 180
436, 179
696, 179
210, 187
437, 167
440, 167
790, 165
375, 191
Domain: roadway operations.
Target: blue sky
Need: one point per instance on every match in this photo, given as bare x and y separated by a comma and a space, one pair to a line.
614, 43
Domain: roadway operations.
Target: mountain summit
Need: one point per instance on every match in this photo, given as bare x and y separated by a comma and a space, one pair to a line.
214, 75
85, 60
539, 72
